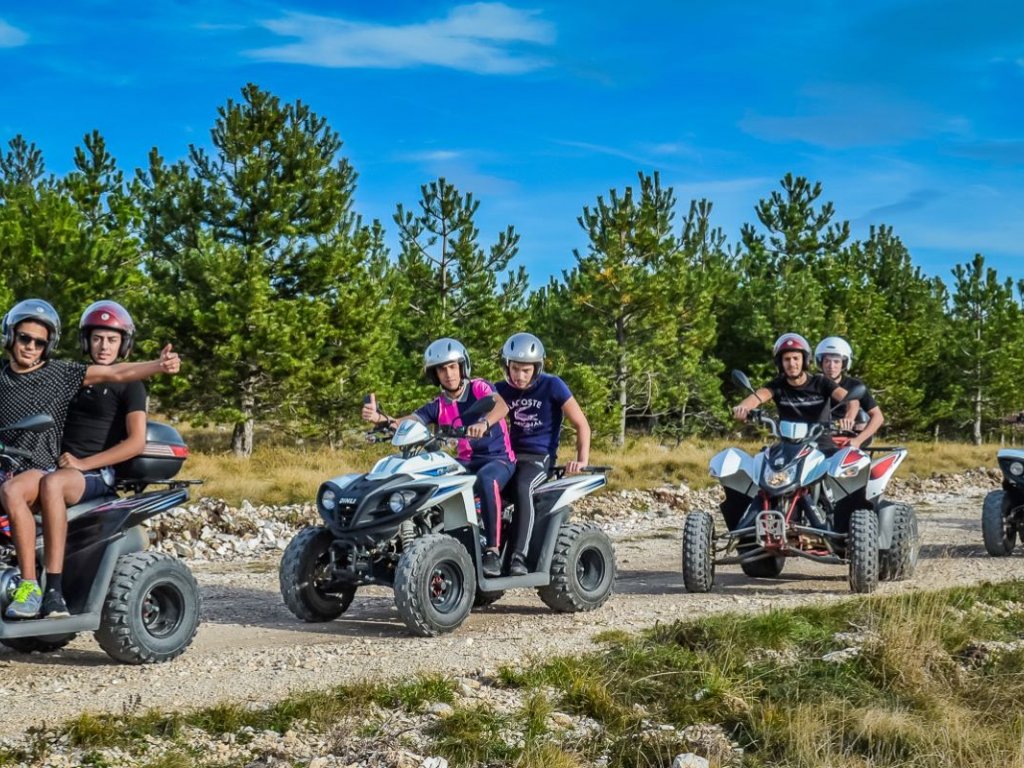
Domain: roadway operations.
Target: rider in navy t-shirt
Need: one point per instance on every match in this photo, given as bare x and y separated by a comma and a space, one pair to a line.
537, 402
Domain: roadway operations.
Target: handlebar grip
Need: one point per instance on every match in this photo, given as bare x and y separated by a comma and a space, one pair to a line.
10, 451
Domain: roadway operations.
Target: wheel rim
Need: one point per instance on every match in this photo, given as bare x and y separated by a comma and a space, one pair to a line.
162, 609
321, 574
445, 587
590, 569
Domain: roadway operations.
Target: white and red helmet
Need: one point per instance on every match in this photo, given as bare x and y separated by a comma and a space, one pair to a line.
110, 315
791, 342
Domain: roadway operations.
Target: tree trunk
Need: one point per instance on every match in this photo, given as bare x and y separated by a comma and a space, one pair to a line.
620, 373
241, 439
977, 416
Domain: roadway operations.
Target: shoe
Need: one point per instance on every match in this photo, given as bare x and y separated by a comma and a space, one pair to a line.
491, 564
26, 601
517, 567
54, 606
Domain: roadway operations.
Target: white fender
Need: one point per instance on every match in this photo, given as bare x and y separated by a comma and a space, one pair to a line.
846, 471
882, 470
735, 469
813, 468
571, 488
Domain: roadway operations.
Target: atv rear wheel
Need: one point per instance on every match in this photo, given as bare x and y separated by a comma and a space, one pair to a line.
582, 570
305, 569
41, 644
862, 550
698, 552
999, 532
900, 560
435, 585
152, 609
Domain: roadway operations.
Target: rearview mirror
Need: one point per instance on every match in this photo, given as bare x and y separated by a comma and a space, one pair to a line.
740, 378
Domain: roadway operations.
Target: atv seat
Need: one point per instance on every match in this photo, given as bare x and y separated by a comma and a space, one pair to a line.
80, 509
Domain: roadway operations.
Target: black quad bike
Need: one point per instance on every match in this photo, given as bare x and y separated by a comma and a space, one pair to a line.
142, 606
1002, 516
412, 523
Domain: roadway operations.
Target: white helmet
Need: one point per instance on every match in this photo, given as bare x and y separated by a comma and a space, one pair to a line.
445, 351
834, 345
523, 348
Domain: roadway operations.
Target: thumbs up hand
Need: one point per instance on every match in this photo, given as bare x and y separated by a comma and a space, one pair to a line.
369, 412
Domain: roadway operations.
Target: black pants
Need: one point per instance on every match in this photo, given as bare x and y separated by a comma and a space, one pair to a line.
531, 471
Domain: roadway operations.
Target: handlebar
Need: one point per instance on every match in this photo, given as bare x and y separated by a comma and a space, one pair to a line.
8, 450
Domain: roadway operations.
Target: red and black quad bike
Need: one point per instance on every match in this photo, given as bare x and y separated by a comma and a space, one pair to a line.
142, 606
1002, 516
790, 500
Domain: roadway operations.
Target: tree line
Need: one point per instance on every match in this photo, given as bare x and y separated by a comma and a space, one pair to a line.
287, 306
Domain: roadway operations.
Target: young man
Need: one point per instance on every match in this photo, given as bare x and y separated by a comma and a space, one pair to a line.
31, 383
537, 402
487, 453
834, 357
798, 395
105, 426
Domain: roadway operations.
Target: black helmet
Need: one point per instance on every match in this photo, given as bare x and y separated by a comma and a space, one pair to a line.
38, 311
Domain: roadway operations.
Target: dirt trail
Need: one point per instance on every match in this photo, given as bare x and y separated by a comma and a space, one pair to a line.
250, 648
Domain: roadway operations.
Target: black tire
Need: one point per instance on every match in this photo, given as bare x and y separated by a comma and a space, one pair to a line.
900, 560
765, 568
152, 609
435, 585
997, 529
582, 570
483, 599
41, 644
304, 568
862, 551
698, 552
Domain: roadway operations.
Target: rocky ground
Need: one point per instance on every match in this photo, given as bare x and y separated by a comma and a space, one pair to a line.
251, 649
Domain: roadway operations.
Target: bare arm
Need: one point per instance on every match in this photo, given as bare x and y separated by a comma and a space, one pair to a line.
121, 373
128, 448
578, 419
750, 402
875, 422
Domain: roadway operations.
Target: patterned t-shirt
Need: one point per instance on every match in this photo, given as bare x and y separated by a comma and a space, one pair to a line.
445, 412
535, 413
48, 389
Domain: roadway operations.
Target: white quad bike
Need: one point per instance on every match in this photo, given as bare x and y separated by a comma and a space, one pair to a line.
412, 523
790, 500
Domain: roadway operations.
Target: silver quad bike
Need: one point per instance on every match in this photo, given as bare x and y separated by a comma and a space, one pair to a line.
412, 523
790, 500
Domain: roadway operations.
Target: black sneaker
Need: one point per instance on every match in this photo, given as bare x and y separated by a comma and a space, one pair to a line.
54, 606
491, 564
517, 566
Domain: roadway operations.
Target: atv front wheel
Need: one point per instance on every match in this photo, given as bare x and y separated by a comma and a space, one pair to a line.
862, 550
41, 644
900, 560
999, 532
152, 609
305, 569
582, 570
435, 585
698, 552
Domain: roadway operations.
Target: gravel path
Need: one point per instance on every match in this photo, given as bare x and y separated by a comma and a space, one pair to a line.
249, 647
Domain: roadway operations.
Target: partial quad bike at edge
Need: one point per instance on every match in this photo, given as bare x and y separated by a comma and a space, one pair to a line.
142, 606
412, 523
790, 500
1002, 516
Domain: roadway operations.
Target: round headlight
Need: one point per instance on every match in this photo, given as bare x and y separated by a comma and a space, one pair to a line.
1016, 469
329, 499
399, 500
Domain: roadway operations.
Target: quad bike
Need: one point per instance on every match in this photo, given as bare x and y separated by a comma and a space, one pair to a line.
412, 523
142, 606
1002, 516
790, 500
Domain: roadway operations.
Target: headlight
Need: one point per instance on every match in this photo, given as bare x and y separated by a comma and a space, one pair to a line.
329, 499
1016, 469
779, 479
400, 500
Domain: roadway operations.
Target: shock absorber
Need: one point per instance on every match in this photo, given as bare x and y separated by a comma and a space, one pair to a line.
407, 533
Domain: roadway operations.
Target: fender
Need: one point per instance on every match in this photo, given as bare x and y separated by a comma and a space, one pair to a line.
735, 469
813, 469
564, 491
846, 472
1008, 458
886, 521
881, 472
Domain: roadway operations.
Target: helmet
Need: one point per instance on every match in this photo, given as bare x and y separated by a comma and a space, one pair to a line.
445, 351
107, 314
834, 345
791, 342
38, 311
523, 348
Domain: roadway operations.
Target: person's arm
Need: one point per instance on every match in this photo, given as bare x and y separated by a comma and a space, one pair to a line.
121, 373
576, 417
875, 422
130, 447
498, 412
750, 402
372, 415
847, 421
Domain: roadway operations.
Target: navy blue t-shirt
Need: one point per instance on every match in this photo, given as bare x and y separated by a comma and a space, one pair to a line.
535, 413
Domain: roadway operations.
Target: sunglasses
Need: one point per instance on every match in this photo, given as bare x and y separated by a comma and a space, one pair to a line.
28, 340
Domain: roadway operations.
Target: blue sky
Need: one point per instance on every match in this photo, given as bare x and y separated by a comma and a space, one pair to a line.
911, 114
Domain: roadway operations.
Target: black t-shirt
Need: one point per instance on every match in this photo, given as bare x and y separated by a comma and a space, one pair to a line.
96, 418
810, 403
48, 389
866, 403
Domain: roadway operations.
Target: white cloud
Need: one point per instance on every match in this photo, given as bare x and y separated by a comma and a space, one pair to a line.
485, 38
10, 36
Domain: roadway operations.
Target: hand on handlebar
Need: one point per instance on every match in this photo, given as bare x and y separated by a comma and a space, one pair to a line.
844, 425
574, 467
741, 412
477, 429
